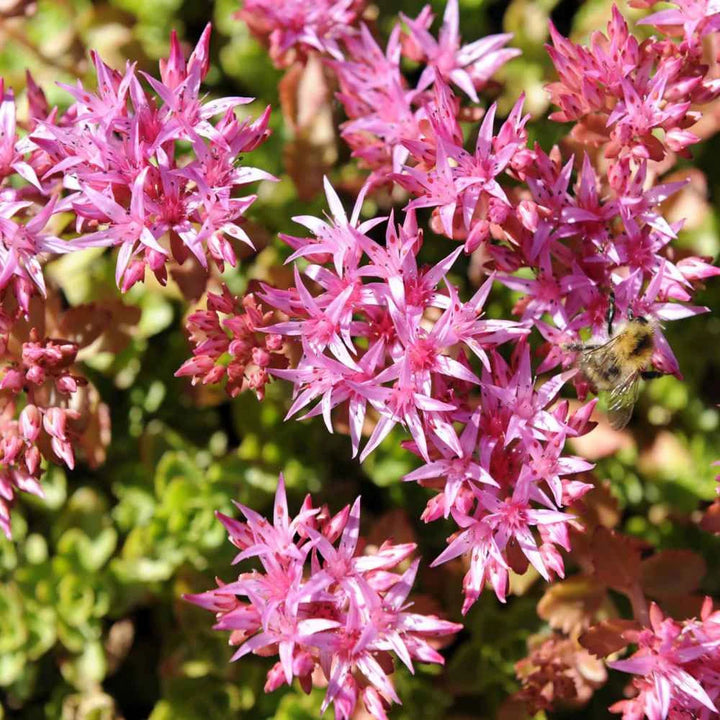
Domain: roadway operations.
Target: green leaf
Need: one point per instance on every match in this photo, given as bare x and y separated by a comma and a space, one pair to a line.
86, 670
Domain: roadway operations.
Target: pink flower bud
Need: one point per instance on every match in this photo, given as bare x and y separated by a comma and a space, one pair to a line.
205, 321
677, 140
478, 234
55, 422
434, 508
256, 378
334, 527
64, 451
12, 446
303, 663
155, 260
29, 484
134, 273
66, 384
261, 357
36, 375
224, 303
240, 347
24, 290
275, 677
273, 342
32, 459
195, 366
215, 375
220, 249
13, 380
30, 422
528, 214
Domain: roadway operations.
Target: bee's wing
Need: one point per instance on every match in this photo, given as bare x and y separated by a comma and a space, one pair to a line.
622, 400
595, 359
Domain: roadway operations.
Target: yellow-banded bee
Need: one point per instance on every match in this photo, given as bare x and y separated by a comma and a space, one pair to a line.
616, 366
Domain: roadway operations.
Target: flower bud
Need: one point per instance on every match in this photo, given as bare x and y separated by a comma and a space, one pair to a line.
36, 375
134, 273
32, 459
55, 422
64, 451
30, 422
13, 380
273, 342
66, 384
275, 678
261, 357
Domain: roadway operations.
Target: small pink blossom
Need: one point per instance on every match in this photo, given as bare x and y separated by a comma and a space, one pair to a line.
293, 28
323, 606
677, 665
470, 66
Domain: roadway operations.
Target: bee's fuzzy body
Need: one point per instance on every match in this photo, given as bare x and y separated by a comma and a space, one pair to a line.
617, 365
632, 350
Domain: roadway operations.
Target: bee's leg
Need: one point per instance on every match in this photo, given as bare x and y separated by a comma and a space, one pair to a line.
579, 347
610, 315
651, 374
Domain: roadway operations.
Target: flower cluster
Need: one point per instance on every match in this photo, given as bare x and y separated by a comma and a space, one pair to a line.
323, 607
603, 236
233, 347
380, 330
37, 415
635, 98
513, 203
130, 185
386, 342
24, 214
677, 667
383, 334
149, 169
293, 28
116, 159
507, 488
387, 118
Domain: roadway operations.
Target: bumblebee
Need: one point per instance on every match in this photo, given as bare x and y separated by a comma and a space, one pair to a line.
617, 365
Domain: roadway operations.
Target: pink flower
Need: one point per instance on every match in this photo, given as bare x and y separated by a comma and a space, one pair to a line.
321, 608
469, 67
697, 18
118, 154
11, 160
379, 295
678, 667
293, 28
23, 244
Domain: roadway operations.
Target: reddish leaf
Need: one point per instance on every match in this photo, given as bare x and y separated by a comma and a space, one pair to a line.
616, 558
607, 637
573, 604
683, 606
84, 324
670, 573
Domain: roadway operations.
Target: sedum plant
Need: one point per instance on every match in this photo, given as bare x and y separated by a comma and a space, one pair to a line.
444, 324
